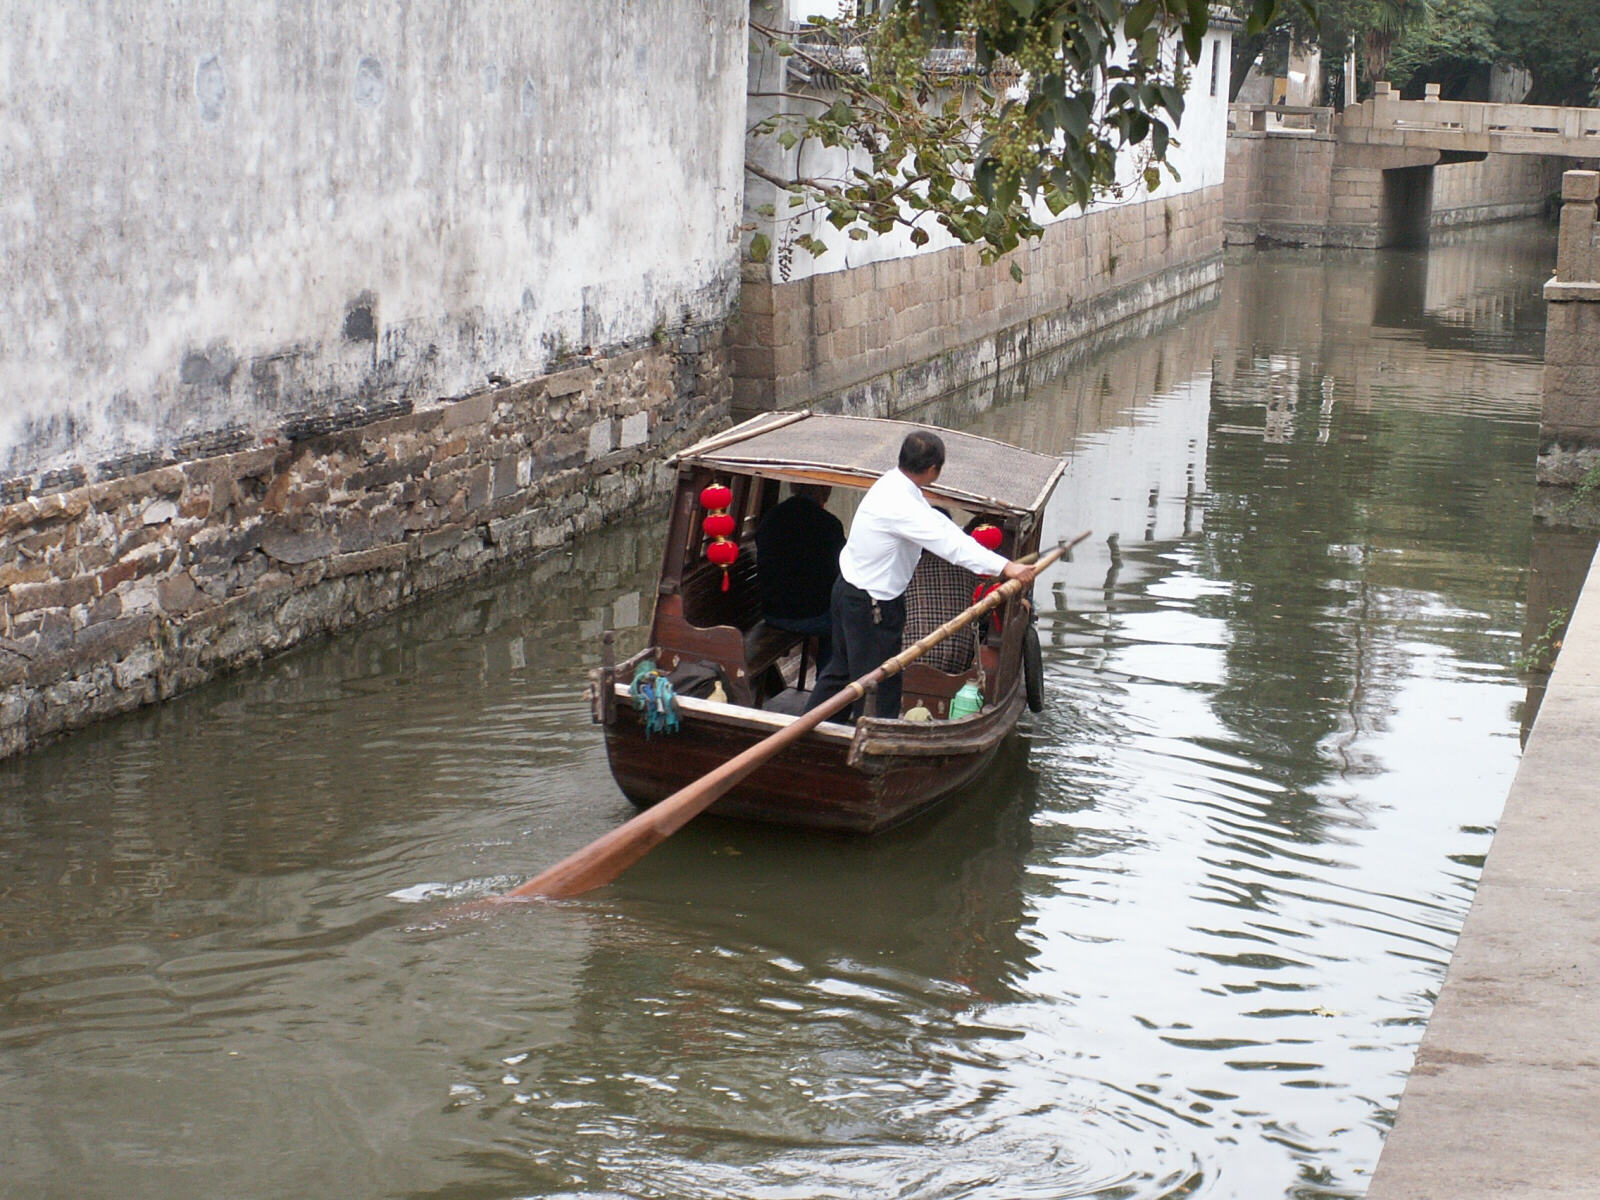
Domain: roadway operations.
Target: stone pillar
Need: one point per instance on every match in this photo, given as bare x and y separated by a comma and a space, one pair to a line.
1569, 423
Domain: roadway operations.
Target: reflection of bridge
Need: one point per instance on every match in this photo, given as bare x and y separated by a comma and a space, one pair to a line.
1365, 177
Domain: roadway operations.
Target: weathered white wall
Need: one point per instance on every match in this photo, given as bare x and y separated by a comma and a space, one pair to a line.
1199, 153
214, 215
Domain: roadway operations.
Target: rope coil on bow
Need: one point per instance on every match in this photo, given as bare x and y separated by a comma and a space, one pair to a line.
653, 695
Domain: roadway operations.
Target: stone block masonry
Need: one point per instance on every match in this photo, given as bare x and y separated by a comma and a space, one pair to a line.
1569, 420
128, 589
884, 337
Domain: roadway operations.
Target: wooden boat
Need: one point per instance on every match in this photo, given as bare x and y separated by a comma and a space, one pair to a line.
861, 778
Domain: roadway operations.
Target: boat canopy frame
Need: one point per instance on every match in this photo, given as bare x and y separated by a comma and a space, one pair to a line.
811, 447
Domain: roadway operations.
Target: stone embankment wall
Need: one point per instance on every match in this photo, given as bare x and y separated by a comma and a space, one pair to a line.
1569, 421
1501, 187
886, 336
263, 262
1279, 180
124, 591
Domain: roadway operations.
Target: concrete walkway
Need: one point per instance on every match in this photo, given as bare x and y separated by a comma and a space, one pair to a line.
1504, 1099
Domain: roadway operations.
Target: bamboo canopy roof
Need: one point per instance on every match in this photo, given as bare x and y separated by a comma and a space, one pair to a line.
854, 451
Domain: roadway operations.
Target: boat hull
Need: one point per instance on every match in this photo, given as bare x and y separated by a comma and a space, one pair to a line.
856, 781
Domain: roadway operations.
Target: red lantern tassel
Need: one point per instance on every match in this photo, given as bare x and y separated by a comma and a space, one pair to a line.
724, 578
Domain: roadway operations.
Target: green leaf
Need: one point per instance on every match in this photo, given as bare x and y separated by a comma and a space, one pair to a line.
1158, 138
983, 179
1139, 18
760, 247
1261, 14
919, 237
1072, 114
858, 234
787, 139
1016, 271
1152, 178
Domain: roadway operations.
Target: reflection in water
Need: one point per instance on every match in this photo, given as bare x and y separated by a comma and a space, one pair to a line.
1179, 943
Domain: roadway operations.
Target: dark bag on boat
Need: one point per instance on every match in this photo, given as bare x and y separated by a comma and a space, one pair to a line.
696, 677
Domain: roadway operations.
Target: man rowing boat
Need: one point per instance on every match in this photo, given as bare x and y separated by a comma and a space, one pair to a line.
891, 529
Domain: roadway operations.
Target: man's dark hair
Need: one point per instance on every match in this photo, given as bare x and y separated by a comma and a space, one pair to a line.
920, 451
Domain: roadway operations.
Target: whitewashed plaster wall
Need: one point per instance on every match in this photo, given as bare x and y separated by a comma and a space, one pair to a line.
215, 214
1199, 155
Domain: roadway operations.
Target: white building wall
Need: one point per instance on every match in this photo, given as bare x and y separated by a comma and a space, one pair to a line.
212, 216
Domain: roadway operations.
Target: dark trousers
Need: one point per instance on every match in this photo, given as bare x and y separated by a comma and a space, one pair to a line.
865, 634
819, 626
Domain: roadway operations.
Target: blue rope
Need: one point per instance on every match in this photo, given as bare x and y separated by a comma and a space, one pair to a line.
653, 696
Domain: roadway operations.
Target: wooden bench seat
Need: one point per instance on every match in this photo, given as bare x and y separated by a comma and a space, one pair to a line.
725, 627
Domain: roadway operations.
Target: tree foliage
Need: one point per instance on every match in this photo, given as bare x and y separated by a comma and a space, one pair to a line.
1448, 41
1452, 45
965, 114
1558, 41
1370, 27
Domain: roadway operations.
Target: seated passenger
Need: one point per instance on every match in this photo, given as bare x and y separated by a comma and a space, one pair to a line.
797, 561
938, 591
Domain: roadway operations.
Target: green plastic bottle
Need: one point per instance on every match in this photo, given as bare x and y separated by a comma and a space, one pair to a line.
966, 701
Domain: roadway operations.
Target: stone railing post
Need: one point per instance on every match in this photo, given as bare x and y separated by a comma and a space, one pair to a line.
1569, 421
1575, 253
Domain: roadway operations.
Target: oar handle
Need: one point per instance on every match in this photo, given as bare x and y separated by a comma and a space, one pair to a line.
603, 859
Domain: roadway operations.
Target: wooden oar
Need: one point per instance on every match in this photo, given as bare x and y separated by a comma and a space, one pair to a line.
603, 859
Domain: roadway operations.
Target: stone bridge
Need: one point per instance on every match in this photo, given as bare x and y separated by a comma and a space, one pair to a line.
1366, 176
1463, 128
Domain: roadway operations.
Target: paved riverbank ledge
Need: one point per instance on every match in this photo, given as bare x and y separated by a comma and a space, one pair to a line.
131, 589
1503, 1097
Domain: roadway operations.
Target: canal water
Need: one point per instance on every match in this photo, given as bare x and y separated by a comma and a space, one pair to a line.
1181, 942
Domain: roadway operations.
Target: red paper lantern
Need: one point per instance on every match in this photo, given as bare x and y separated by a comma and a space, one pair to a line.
724, 554
989, 536
719, 524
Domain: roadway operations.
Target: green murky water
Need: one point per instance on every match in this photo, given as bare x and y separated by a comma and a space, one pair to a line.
1181, 942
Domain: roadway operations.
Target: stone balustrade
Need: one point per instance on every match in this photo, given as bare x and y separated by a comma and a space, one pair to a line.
1463, 125
1569, 422
1286, 120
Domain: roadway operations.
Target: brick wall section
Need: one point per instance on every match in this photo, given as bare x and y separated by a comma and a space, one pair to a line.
884, 337
1569, 420
124, 591
1500, 187
1278, 186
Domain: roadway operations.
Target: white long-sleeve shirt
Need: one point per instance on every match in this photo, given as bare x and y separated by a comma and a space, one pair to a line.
892, 528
